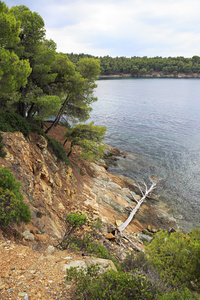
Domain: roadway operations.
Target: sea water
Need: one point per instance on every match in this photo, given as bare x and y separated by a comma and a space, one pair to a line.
157, 122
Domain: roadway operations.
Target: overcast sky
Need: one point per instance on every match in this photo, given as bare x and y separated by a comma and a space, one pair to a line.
121, 27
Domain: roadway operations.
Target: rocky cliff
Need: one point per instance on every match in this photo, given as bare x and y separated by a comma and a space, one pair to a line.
53, 189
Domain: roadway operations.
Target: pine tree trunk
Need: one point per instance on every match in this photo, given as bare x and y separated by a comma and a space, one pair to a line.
59, 115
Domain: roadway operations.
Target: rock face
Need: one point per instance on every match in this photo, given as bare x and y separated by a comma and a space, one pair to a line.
53, 189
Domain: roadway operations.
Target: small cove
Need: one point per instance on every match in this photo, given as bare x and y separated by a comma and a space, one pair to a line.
157, 122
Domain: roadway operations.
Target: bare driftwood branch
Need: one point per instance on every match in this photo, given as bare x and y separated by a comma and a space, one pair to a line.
144, 195
131, 242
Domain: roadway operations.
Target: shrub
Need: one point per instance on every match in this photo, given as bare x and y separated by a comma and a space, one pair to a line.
135, 262
87, 241
56, 146
109, 285
13, 122
177, 258
180, 295
89, 138
12, 207
76, 220
73, 221
2, 152
141, 265
86, 244
58, 149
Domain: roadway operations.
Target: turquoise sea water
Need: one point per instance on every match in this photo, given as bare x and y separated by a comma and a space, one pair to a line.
157, 122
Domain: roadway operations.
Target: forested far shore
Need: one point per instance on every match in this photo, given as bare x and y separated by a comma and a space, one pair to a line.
145, 66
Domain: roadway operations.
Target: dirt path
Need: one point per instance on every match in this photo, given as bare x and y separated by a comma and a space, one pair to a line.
27, 274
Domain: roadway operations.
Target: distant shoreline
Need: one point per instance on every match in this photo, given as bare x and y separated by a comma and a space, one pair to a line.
152, 75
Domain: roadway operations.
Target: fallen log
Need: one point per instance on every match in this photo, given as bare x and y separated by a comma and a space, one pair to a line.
139, 203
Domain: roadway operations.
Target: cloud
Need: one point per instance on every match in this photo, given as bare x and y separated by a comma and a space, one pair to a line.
121, 27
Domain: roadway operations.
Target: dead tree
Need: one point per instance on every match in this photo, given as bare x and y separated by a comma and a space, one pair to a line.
133, 212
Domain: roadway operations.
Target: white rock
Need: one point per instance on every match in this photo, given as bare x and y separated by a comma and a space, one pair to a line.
28, 236
51, 250
80, 264
118, 223
104, 264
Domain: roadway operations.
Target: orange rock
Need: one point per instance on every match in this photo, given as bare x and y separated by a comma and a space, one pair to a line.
37, 187
31, 228
110, 236
41, 237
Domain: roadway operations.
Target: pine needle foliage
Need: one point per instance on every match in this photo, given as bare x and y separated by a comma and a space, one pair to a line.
89, 138
12, 207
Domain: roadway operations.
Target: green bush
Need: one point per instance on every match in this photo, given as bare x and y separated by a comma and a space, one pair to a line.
86, 244
87, 241
13, 122
89, 138
135, 262
177, 258
2, 152
73, 221
58, 149
56, 146
180, 295
90, 284
12, 207
76, 220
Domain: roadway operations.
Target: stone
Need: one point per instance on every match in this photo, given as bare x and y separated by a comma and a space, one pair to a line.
58, 182
149, 228
145, 231
32, 229
37, 187
110, 236
68, 257
90, 208
118, 223
145, 238
102, 163
61, 206
128, 193
51, 249
104, 264
80, 264
22, 294
28, 236
42, 142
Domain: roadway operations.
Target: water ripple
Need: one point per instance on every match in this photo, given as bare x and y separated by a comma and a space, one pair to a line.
157, 121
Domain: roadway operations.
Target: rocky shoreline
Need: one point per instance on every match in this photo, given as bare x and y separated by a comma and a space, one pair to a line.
52, 190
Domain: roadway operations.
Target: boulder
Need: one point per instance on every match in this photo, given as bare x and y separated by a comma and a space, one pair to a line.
51, 250
80, 264
104, 264
145, 238
28, 236
41, 142
110, 236
118, 223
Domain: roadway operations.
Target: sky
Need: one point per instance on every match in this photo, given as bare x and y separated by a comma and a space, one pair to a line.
121, 27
